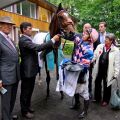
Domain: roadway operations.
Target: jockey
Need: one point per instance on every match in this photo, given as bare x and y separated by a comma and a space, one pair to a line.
82, 54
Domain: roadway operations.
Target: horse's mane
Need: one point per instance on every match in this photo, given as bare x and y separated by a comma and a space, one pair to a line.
54, 27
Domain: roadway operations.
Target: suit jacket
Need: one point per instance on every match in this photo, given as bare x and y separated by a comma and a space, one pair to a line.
96, 43
113, 64
9, 62
29, 55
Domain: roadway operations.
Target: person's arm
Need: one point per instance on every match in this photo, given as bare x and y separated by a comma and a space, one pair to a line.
117, 61
0, 71
0, 83
36, 47
95, 56
87, 56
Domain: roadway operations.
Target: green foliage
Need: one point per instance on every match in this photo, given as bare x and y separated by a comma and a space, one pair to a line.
93, 12
68, 49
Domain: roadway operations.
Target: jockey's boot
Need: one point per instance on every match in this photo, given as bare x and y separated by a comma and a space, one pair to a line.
83, 114
77, 103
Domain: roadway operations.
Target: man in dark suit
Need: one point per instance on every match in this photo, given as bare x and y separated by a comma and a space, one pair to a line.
29, 66
102, 34
9, 68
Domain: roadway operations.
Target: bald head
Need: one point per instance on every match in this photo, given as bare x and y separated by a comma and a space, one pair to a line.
86, 26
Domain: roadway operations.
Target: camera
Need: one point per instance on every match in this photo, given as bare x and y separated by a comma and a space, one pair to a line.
89, 31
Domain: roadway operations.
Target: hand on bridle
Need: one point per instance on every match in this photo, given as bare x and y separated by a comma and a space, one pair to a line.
57, 37
66, 34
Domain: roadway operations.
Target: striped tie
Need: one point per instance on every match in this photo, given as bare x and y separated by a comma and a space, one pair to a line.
9, 40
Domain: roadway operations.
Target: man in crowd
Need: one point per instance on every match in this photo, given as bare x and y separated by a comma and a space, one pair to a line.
29, 66
102, 32
9, 68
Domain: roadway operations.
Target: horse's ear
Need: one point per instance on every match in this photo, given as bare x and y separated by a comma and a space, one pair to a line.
60, 7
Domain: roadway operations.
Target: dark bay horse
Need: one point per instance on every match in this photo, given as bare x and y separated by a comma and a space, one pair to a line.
62, 24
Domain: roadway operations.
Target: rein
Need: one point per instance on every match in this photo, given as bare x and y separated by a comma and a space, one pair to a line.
61, 29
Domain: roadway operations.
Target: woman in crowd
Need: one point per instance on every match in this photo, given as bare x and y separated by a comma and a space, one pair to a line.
106, 68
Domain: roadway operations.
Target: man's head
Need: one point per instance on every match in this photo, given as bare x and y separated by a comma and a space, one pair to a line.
102, 27
6, 24
26, 28
86, 27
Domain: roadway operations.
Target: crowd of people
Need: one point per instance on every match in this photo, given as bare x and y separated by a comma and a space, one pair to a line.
97, 52
102, 60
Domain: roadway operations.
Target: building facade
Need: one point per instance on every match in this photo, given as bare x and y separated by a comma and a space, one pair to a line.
38, 12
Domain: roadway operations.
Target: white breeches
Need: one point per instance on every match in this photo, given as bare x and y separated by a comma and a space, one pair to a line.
82, 89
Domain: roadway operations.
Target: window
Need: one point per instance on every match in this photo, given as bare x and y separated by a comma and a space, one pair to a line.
44, 14
9, 9
27, 9
49, 16
19, 8
33, 10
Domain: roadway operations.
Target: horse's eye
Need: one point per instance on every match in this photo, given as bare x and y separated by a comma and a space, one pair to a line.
60, 17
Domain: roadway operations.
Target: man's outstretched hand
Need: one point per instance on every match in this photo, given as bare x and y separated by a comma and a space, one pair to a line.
56, 37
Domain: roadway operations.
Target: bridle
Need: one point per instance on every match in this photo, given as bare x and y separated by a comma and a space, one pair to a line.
62, 15
64, 34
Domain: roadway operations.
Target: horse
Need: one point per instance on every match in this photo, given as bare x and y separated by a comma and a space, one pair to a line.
61, 23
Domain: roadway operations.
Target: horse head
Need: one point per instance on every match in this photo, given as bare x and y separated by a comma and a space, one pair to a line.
61, 23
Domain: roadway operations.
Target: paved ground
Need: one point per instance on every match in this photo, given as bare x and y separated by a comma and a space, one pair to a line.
56, 109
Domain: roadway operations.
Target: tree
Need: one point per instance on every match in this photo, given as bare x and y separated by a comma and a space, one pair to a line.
93, 12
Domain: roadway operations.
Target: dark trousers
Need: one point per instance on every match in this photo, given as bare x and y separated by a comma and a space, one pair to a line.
98, 87
27, 87
8, 101
90, 78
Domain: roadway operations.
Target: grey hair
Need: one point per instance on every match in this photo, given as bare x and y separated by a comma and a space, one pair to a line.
111, 37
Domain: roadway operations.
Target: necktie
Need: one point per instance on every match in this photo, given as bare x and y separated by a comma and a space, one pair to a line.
9, 40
